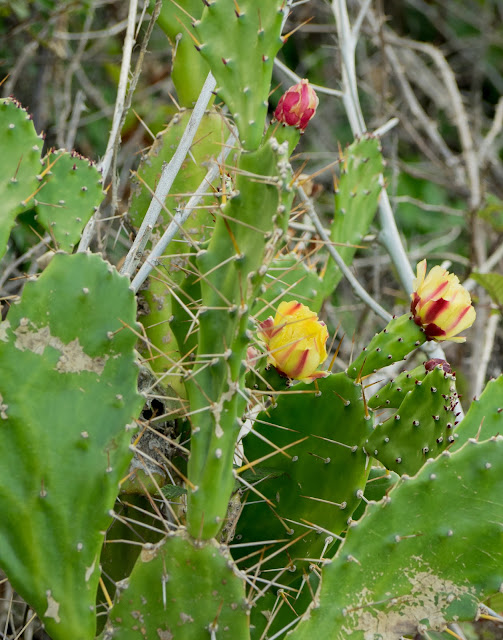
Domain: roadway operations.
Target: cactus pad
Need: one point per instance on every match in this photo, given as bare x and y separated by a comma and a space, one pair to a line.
393, 343
485, 416
199, 594
419, 559
321, 478
67, 391
356, 198
240, 40
21, 149
422, 427
71, 192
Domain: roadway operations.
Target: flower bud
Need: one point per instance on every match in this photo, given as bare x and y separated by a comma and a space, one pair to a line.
297, 105
440, 304
438, 362
295, 340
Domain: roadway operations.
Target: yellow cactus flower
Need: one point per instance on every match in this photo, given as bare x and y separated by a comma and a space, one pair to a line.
295, 340
440, 304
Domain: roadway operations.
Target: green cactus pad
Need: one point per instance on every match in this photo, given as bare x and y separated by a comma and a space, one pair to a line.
67, 391
393, 394
189, 70
289, 276
208, 141
71, 192
21, 149
183, 591
232, 268
322, 476
240, 40
356, 199
422, 427
485, 415
393, 343
420, 558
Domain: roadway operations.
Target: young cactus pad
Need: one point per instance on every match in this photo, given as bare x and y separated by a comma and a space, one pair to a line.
21, 148
71, 192
67, 394
199, 594
240, 41
356, 198
418, 559
421, 428
485, 415
393, 343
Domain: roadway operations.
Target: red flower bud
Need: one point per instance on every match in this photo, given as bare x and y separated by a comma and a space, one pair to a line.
297, 105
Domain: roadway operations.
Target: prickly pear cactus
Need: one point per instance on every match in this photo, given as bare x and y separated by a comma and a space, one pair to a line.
71, 192
200, 594
485, 416
421, 428
65, 189
232, 270
67, 396
393, 343
417, 560
356, 198
156, 300
287, 277
21, 149
242, 61
316, 478
176, 19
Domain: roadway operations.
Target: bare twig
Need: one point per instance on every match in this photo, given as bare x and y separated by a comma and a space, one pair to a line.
129, 42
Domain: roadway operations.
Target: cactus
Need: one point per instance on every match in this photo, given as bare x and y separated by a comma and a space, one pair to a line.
21, 153
356, 197
393, 393
417, 560
392, 344
215, 548
71, 192
65, 189
244, 242
64, 451
242, 61
290, 278
421, 428
322, 479
156, 306
175, 19
485, 416
198, 594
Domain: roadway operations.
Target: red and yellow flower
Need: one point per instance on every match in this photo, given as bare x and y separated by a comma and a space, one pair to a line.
295, 341
440, 304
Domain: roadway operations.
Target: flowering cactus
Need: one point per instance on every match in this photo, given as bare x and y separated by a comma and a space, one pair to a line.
295, 340
297, 105
440, 304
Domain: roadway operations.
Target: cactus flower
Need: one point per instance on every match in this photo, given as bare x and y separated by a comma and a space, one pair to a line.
440, 304
297, 105
295, 340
